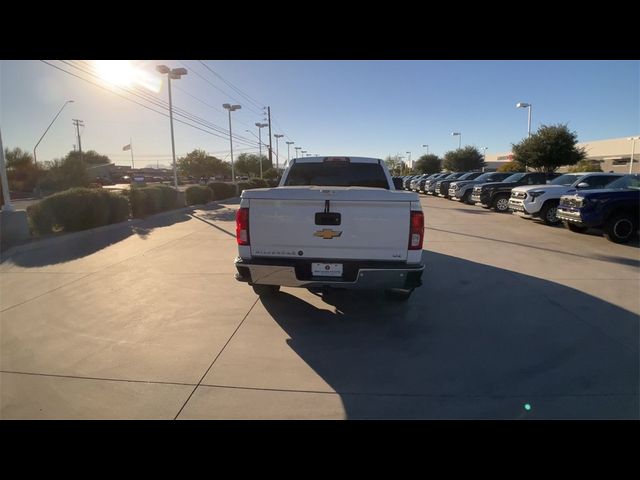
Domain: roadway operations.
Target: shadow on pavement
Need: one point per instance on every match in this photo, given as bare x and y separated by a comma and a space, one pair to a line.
474, 342
76, 246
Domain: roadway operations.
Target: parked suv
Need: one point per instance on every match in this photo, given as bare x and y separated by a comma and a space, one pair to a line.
442, 187
615, 209
541, 201
496, 195
432, 180
461, 189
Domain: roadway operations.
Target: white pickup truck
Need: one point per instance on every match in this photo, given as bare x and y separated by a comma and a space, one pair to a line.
331, 222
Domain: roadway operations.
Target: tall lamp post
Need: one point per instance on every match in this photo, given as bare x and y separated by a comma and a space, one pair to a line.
172, 74
297, 152
459, 135
277, 135
425, 145
35, 161
260, 127
633, 148
303, 152
528, 106
484, 156
233, 108
288, 156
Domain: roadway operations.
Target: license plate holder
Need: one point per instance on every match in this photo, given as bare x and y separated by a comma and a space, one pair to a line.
326, 269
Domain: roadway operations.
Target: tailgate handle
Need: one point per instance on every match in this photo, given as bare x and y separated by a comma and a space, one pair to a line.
328, 218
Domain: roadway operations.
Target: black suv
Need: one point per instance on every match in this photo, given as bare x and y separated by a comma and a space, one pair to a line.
496, 194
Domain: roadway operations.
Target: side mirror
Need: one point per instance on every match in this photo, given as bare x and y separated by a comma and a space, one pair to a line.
583, 185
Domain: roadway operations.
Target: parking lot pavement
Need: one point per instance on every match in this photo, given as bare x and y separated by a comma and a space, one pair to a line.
149, 323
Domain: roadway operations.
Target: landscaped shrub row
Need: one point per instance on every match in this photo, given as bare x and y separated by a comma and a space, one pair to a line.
198, 194
222, 190
149, 200
77, 209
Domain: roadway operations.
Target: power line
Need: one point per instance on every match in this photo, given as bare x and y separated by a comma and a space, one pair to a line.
158, 103
249, 98
163, 104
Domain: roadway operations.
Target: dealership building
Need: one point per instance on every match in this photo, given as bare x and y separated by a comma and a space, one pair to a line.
613, 155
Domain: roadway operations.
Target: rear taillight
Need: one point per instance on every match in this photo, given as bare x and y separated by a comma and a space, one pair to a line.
242, 226
416, 230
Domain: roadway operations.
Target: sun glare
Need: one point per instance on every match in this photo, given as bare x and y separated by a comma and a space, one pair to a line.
123, 73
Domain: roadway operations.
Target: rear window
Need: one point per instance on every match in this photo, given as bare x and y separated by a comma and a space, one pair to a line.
337, 174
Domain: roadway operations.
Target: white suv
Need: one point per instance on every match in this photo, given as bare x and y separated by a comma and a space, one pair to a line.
541, 201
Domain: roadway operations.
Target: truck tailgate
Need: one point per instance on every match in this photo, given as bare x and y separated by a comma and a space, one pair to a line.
372, 230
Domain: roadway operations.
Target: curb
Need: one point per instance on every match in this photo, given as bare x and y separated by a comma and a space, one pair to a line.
36, 244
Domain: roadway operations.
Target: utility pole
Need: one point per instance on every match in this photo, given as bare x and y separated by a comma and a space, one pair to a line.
270, 148
78, 124
131, 148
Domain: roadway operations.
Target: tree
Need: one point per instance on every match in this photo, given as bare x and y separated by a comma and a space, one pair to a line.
65, 173
22, 173
198, 164
549, 148
395, 165
586, 166
271, 173
91, 157
511, 167
248, 164
463, 160
428, 164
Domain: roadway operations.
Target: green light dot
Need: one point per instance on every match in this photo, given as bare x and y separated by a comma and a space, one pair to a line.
527, 406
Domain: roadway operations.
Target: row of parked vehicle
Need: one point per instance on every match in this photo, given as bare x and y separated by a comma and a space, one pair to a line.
583, 200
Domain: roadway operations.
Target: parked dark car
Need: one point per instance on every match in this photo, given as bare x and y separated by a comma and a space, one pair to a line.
461, 189
431, 181
424, 180
615, 209
397, 183
407, 181
442, 186
496, 195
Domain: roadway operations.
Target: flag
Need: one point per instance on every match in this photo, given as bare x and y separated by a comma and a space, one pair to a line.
126, 147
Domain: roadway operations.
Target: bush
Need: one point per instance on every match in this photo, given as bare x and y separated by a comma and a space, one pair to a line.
198, 195
242, 186
222, 190
149, 200
77, 209
585, 166
511, 167
258, 183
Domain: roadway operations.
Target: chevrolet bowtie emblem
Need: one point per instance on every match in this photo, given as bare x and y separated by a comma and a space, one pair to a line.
327, 233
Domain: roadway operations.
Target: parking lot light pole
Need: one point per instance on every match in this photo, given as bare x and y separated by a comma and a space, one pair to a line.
633, 148
297, 152
528, 106
459, 135
277, 135
425, 145
232, 108
288, 156
172, 74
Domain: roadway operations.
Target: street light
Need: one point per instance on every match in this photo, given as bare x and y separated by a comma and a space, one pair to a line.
233, 108
35, 161
633, 148
288, 156
303, 152
459, 135
425, 145
277, 135
484, 156
172, 74
260, 127
526, 105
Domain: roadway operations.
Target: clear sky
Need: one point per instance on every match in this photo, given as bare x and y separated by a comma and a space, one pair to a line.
359, 108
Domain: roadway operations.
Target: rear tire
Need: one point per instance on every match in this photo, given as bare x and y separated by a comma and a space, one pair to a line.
620, 228
548, 213
266, 290
398, 295
574, 228
466, 198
